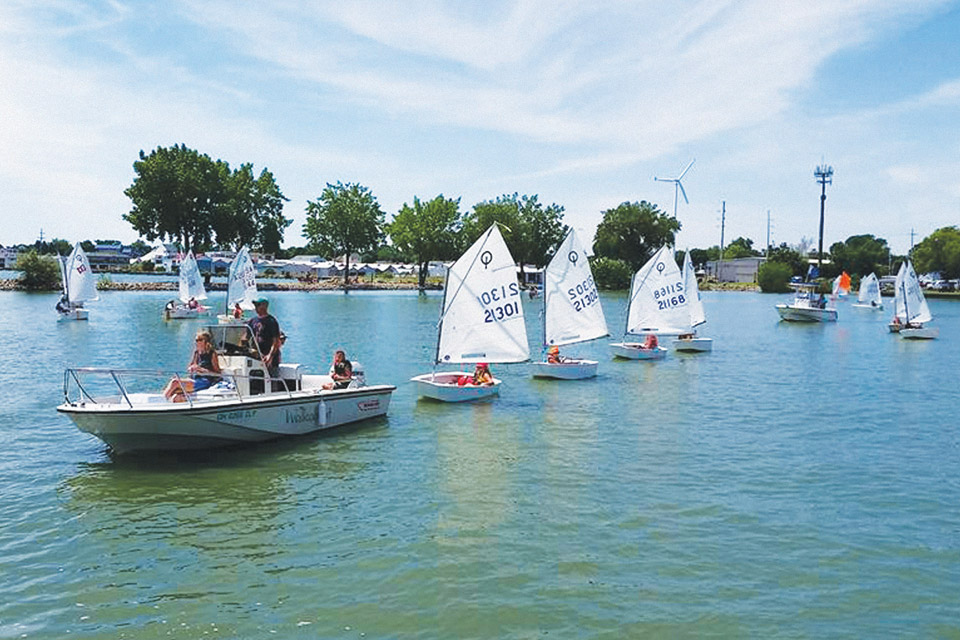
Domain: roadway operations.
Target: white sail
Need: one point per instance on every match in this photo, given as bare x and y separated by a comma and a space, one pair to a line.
836, 287
191, 283
572, 311
242, 281
697, 316
910, 305
870, 291
658, 297
482, 315
79, 282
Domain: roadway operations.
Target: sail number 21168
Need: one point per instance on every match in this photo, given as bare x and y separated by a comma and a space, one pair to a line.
669, 296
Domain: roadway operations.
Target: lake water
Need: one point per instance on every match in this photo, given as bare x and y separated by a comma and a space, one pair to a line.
798, 481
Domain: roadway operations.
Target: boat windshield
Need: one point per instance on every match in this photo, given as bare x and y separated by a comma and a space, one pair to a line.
234, 340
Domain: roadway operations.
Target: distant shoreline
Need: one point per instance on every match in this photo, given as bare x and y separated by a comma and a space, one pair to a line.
294, 285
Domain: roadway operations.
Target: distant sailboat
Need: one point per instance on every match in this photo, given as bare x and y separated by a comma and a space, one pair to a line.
191, 292
657, 306
241, 286
690, 341
869, 295
571, 310
841, 285
481, 320
911, 312
79, 285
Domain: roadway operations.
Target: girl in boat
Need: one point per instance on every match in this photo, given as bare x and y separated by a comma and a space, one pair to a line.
204, 371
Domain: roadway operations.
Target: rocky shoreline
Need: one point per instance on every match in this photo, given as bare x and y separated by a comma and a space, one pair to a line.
293, 285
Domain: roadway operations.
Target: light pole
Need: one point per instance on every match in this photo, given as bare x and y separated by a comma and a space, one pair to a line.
824, 175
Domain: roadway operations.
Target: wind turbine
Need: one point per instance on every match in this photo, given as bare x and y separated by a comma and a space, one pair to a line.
678, 186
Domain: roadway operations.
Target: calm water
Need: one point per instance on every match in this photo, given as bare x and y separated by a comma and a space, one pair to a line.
799, 481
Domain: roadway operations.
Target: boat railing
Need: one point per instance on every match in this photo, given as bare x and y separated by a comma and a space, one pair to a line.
76, 391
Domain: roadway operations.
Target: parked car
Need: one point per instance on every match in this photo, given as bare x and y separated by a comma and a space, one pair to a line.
941, 285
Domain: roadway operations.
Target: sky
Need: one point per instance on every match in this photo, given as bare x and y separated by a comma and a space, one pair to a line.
580, 103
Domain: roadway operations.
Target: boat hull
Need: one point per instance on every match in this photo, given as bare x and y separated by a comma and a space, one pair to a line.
159, 425
184, 313
792, 313
878, 307
570, 370
636, 351
443, 387
919, 333
693, 345
73, 314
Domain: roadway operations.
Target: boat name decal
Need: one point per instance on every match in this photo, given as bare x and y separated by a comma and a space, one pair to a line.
369, 405
300, 415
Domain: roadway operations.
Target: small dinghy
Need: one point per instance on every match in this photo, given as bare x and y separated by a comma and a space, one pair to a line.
571, 311
241, 288
191, 293
869, 294
79, 286
690, 342
911, 313
481, 320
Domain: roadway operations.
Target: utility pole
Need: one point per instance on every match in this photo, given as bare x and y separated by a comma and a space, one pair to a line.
824, 175
911, 238
723, 221
766, 251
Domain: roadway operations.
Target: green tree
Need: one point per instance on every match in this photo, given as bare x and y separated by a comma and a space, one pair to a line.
426, 231
345, 218
940, 251
176, 194
39, 273
773, 277
529, 228
53, 247
860, 255
739, 248
252, 214
610, 273
633, 232
700, 257
790, 257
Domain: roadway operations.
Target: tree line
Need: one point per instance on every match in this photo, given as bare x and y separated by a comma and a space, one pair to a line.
181, 195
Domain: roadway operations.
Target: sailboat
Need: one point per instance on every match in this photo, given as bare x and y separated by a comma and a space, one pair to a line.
191, 292
841, 285
869, 295
241, 287
79, 285
910, 307
481, 320
571, 310
657, 305
690, 341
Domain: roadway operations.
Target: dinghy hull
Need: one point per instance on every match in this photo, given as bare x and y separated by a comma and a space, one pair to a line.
636, 351
693, 345
444, 387
570, 370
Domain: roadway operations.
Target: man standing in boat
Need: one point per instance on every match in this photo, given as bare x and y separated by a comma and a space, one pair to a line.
266, 331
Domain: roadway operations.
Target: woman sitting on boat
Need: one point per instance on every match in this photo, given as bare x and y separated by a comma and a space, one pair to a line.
203, 369
341, 371
650, 342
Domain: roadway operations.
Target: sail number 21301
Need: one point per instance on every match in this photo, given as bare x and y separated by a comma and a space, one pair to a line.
500, 302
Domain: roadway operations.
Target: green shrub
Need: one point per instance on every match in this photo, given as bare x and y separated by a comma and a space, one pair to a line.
611, 273
40, 273
773, 277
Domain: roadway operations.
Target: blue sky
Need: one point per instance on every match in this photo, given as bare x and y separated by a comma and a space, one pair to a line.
581, 103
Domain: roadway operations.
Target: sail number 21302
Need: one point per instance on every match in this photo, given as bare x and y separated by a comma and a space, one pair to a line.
500, 302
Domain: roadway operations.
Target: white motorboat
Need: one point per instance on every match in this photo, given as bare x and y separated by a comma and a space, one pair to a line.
191, 292
690, 342
481, 320
869, 295
807, 306
132, 415
911, 312
241, 288
79, 285
571, 310
658, 306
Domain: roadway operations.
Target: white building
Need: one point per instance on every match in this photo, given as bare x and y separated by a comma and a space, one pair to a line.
8, 257
735, 270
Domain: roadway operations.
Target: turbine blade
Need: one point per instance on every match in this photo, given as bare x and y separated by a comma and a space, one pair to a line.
680, 184
684, 172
